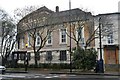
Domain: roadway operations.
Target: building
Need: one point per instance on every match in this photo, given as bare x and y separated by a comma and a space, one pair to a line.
56, 48
110, 38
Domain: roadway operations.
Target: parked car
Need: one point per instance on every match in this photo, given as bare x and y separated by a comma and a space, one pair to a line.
2, 69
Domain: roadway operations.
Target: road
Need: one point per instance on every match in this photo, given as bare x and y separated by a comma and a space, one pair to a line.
24, 76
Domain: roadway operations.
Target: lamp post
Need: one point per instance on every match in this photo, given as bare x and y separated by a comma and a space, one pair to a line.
26, 58
101, 68
70, 38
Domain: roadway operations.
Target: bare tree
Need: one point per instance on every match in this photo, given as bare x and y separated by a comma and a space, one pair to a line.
88, 26
19, 13
37, 29
38, 37
7, 36
77, 30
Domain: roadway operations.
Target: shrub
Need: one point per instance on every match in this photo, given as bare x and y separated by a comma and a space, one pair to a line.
84, 59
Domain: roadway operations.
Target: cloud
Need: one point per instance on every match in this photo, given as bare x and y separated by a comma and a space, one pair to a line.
97, 6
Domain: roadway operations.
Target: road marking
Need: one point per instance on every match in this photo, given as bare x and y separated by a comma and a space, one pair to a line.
63, 75
13, 76
36, 76
48, 77
55, 76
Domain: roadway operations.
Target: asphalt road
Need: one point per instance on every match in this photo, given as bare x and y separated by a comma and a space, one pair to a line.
56, 77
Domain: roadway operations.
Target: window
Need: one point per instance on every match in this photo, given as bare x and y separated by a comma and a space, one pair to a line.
37, 39
80, 35
49, 39
63, 36
29, 56
22, 43
29, 37
63, 55
49, 56
110, 38
15, 56
22, 56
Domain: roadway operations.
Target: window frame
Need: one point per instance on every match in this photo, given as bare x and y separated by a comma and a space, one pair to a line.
49, 39
49, 56
110, 38
82, 41
22, 43
63, 34
29, 38
37, 37
63, 55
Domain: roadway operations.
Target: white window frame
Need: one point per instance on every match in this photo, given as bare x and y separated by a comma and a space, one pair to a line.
47, 43
110, 39
82, 35
61, 36
28, 41
37, 36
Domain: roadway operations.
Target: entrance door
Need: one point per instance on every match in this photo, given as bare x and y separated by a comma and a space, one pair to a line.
111, 56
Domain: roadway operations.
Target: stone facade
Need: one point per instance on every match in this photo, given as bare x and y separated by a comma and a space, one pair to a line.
61, 21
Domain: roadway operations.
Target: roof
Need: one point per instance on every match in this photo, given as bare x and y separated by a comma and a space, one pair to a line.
68, 15
44, 8
38, 10
58, 17
118, 13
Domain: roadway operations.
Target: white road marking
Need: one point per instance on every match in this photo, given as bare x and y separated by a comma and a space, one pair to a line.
48, 77
55, 76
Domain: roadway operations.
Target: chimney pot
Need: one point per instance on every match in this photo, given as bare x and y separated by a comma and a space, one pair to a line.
57, 8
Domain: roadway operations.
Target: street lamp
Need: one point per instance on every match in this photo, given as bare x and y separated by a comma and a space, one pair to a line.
101, 68
26, 45
70, 38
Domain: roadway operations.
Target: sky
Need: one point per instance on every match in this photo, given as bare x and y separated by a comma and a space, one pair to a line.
94, 6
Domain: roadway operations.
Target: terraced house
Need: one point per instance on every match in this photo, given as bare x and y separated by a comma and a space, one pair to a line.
110, 38
47, 33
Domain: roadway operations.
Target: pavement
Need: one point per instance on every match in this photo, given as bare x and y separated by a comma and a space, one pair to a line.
46, 71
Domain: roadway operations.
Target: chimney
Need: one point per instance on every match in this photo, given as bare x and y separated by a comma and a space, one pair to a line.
57, 8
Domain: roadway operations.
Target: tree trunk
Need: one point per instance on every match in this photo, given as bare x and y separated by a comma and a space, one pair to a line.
4, 61
36, 60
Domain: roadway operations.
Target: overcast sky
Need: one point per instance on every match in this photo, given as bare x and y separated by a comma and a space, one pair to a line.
95, 6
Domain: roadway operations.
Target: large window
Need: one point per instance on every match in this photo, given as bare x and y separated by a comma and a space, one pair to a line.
22, 43
80, 35
37, 39
63, 36
49, 39
110, 38
29, 56
63, 55
29, 37
23, 55
49, 56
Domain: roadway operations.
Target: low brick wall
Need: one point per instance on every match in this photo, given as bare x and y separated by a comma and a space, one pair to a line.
112, 67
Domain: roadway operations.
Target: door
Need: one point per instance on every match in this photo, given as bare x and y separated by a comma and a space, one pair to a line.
111, 56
